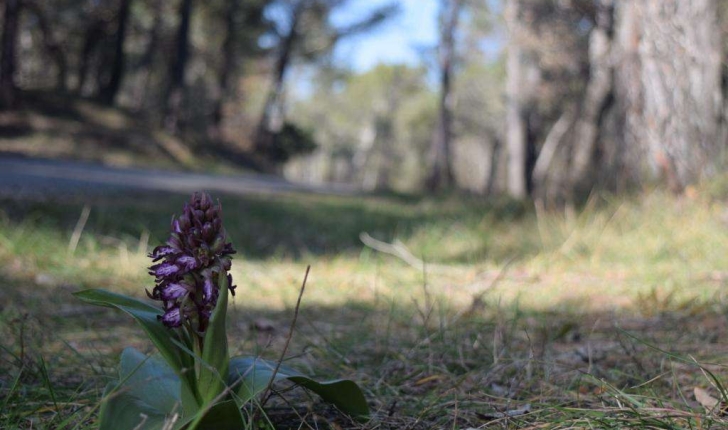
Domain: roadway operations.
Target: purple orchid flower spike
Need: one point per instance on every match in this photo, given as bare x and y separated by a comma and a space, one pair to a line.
190, 265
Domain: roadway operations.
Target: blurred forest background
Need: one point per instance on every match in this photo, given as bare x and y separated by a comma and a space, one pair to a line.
453, 288
542, 99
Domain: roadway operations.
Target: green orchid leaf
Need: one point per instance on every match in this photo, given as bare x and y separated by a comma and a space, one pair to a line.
121, 411
249, 376
162, 337
150, 379
221, 416
215, 357
345, 394
146, 394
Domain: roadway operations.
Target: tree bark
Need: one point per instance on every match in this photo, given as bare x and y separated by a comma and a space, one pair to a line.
107, 94
178, 66
681, 78
441, 175
516, 133
669, 84
8, 61
626, 133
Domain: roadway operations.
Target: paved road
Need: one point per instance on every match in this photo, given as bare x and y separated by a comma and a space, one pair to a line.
22, 177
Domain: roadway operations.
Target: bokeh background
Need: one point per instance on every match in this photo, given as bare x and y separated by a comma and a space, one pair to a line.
541, 99
515, 211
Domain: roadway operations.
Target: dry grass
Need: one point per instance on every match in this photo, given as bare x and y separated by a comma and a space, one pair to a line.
518, 320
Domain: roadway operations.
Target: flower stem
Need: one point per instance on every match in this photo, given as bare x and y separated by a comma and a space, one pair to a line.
197, 344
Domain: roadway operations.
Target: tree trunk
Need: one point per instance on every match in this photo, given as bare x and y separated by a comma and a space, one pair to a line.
145, 65
516, 144
669, 84
547, 183
108, 92
178, 65
598, 90
94, 33
441, 175
228, 67
492, 177
8, 88
628, 94
682, 91
271, 120
52, 47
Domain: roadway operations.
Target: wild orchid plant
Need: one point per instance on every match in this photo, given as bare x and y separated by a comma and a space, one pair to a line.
195, 384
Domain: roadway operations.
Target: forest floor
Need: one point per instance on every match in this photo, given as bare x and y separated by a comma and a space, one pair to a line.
480, 315
66, 127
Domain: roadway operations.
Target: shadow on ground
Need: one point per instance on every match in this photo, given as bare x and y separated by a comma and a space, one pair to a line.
288, 225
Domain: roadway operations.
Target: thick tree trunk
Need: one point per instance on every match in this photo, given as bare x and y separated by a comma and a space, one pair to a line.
108, 92
178, 66
681, 79
628, 94
441, 175
669, 85
516, 133
8, 88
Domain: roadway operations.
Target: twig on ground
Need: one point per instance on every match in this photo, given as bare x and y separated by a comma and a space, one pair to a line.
506, 414
266, 393
399, 250
78, 230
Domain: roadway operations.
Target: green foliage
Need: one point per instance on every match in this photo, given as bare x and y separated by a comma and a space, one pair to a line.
480, 110
147, 386
147, 396
223, 416
251, 376
214, 361
150, 392
377, 121
164, 339
290, 141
